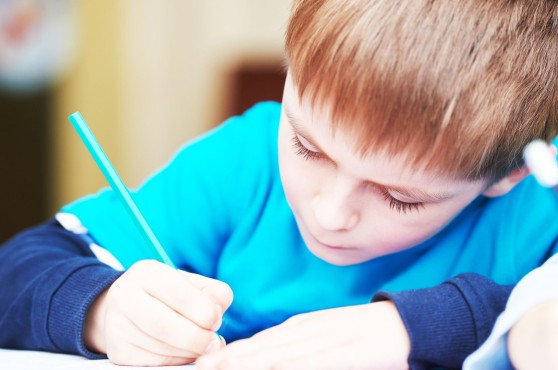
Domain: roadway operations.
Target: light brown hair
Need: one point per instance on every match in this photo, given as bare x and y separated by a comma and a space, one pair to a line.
457, 86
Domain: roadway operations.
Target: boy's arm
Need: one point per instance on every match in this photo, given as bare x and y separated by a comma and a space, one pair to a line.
447, 322
540, 322
529, 310
432, 327
48, 279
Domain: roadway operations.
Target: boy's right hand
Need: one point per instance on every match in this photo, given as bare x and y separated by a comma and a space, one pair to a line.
156, 315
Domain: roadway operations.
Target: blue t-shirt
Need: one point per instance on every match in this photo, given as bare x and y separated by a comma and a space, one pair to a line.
219, 209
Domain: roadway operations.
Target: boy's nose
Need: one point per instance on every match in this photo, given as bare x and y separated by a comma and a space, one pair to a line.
333, 211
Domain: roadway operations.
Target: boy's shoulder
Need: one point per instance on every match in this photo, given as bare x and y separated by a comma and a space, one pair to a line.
527, 206
257, 126
528, 224
246, 139
263, 111
246, 129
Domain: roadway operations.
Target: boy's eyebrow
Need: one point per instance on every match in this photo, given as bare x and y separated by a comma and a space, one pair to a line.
412, 193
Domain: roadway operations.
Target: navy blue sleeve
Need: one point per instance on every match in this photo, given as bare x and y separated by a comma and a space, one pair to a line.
48, 279
448, 322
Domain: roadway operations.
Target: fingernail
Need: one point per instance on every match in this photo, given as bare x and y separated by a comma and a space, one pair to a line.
217, 325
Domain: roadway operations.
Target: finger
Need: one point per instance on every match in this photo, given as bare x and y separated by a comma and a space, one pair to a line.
151, 344
220, 291
261, 354
175, 290
331, 358
270, 347
144, 340
133, 355
288, 356
284, 335
326, 360
164, 359
129, 346
164, 324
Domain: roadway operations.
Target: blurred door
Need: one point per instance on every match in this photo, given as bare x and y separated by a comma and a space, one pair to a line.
24, 160
253, 82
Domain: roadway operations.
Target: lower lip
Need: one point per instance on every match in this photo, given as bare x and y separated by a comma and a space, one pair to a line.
331, 246
335, 248
327, 246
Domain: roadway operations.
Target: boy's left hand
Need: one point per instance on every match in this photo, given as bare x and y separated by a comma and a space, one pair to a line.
540, 322
370, 336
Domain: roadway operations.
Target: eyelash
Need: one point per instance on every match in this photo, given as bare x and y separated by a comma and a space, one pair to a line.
303, 151
399, 206
395, 204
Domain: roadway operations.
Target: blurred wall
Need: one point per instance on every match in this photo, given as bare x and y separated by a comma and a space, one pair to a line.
150, 75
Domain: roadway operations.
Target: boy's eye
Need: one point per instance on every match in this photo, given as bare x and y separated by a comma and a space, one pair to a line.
400, 206
303, 151
394, 203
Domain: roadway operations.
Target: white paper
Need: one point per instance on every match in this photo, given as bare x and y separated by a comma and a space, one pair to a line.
32, 360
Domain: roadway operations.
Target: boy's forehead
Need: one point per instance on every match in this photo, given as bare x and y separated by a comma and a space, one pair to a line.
305, 111
314, 122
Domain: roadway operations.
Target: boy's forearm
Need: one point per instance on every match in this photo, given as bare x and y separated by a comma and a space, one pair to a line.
48, 278
447, 322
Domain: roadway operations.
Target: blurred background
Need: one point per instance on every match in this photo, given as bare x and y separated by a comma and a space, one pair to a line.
146, 75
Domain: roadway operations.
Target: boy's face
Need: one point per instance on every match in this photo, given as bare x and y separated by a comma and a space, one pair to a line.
350, 209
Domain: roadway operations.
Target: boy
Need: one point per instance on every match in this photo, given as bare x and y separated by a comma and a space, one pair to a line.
394, 163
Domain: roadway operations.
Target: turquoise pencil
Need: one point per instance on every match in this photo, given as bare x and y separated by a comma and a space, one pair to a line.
118, 186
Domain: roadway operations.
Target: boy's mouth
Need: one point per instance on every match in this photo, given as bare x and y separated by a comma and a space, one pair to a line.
310, 238
334, 247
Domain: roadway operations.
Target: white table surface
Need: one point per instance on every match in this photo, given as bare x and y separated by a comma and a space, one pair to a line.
31, 360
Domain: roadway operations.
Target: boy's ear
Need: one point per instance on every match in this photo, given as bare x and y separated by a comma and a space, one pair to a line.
507, 183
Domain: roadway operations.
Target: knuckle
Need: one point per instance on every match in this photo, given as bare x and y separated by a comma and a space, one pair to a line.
196, 343
227, 292
210, 317
118, 354
296, 320
143, 265
221, 293
161, 330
